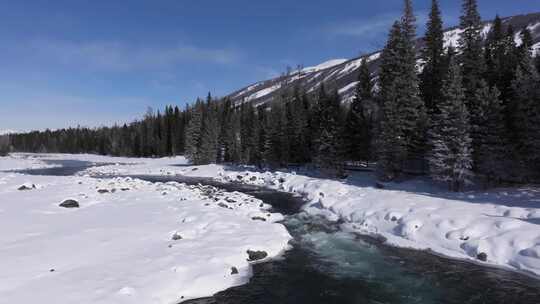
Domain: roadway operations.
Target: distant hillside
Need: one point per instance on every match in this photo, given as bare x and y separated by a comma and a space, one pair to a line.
341, 74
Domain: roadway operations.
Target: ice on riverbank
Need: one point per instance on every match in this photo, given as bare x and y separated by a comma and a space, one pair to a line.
128, 241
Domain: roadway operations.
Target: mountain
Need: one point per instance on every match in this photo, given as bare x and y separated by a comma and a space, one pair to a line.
341, 74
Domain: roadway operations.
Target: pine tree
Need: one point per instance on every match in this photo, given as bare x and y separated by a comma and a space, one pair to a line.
208, 150
357, 136
527, 114
433, 73
193, 133
408, 22
400, 88
537, 61
490, 153
450, 158
494, 53
470, 45
297, 124
329, 139
410, 104
391, 142
274, 152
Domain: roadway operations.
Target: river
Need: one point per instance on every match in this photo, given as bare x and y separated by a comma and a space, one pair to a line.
328, 266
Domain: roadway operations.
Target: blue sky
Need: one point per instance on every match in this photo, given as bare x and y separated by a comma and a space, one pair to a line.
97, 62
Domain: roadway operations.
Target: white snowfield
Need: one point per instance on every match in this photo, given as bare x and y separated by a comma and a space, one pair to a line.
500, 226
130, 241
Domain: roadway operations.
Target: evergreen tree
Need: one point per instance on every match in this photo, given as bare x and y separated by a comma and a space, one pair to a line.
408, 23
450, 158
526, 39
275, 153
357, 136
391, 143
433, 72
400, 89
329, 139
208, 150
193, 133
470, 44
490, 152
527, 115
410, 105
537, 61
297, 125
494, 53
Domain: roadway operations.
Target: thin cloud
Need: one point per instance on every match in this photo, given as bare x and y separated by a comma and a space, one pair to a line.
123, 56
368, 28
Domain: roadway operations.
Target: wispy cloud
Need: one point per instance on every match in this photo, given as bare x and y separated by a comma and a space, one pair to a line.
124, 56
368, 28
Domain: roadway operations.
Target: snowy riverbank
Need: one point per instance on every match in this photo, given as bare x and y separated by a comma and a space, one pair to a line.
500, 227
129, 241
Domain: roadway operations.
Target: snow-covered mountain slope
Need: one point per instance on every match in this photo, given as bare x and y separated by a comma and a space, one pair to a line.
342, 74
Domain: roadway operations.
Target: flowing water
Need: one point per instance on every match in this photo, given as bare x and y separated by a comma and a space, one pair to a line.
328, 266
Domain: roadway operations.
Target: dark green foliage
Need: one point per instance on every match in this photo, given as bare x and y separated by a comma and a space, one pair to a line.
434, 69
404, 115
298, 128
358, 130
209, 142
328, 144
391, 142
527, 114
194, 133
450, 157
471, 57
490, 149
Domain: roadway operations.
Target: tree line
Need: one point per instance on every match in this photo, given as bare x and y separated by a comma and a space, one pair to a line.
469, 112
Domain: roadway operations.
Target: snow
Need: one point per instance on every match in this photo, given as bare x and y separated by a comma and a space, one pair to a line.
536, 49
348, 87
118, 247
247, 90
4, 132
351, 66
504, 224
325, 65
451, 38
374, 57
486, 29
263, 92
21, 161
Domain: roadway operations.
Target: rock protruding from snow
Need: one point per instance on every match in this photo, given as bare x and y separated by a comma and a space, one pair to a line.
176, 236
26, 187
256, 255
70, 203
